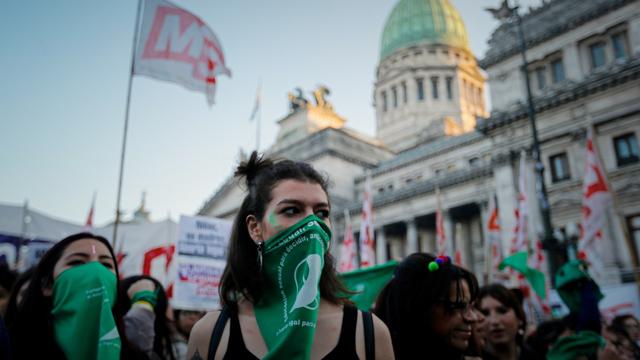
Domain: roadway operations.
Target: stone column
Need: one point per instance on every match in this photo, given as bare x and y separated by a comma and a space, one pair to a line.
381, 246
484, 250
428, 241
449, 231
465, 239
412, 236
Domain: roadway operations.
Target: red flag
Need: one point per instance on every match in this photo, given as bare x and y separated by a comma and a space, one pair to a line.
367, 252
348, 259
177, 46
88, 224
596, 199
441, 237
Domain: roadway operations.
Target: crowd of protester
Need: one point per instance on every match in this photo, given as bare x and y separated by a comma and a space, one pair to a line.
74, 304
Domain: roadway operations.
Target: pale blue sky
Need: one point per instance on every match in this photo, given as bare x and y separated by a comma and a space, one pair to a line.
64, 66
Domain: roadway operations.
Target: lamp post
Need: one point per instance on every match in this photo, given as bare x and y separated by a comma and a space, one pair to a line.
555, 251
573, 233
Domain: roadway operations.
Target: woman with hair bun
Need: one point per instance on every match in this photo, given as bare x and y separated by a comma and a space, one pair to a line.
281, 295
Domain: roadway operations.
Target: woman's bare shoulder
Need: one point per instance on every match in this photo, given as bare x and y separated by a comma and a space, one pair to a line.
201, 335
383, 345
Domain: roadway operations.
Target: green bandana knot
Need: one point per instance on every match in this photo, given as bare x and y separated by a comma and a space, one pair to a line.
287, 312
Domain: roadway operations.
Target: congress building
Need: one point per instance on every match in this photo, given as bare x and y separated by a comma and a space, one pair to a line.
435, 134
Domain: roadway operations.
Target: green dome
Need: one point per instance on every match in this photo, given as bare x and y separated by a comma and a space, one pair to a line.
414, 22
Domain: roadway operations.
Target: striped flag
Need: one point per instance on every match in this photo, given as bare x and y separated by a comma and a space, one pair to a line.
367, 252
596, 199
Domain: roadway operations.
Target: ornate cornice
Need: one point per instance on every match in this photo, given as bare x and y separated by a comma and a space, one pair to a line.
542, 24
428, 186
596, 83
312, 147
422, 152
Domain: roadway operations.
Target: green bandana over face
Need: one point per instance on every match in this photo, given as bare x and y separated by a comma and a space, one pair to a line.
288, 310
83, 323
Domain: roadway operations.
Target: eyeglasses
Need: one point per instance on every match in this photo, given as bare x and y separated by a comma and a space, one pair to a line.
463, 307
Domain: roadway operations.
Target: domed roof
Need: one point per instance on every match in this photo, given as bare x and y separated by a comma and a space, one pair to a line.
414, 22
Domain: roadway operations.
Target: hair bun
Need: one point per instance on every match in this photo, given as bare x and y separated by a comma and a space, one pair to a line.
252, 167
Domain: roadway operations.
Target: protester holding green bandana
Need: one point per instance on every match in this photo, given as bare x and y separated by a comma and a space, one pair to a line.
70, 309
281, 294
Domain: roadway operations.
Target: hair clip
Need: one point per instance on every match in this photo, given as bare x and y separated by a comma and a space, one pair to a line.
433, 266
438, 262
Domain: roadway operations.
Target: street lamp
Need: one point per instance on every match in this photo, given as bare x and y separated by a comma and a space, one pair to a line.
555, 251
572, 232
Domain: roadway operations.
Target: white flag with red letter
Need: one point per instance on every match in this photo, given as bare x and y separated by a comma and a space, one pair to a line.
537, 309
367, 252
494, 240
441, 237
175, 45
348, 259
520, 240
596, 199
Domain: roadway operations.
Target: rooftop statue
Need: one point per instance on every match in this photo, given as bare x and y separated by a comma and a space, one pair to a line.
319, 94
297, 101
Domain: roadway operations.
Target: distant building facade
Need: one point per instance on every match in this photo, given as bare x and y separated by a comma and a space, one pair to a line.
433, 129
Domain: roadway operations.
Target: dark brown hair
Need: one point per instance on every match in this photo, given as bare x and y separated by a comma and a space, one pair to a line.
406, 302
241, 275
509, 299
33, 323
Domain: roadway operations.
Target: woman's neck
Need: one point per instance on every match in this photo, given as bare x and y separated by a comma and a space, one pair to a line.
503, 351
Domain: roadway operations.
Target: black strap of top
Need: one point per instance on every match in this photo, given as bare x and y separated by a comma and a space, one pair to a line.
369, 337
216, 335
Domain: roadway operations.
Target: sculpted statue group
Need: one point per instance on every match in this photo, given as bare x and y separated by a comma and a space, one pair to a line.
299, 101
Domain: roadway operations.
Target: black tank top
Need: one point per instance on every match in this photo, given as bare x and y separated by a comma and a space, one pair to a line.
345, 349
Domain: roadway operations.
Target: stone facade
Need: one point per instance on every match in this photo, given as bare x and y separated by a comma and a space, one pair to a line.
585, 74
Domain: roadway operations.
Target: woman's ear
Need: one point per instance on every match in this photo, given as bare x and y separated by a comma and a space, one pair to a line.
47, 287
254, 227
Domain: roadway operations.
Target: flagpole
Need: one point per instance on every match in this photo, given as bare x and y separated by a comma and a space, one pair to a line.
126, 125
23, 232
259, 115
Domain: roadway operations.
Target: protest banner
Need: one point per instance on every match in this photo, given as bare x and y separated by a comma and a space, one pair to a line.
201, 257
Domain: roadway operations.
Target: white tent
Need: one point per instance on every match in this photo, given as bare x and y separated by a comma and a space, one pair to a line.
141, 247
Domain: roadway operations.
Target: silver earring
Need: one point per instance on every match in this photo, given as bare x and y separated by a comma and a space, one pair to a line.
260, 249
